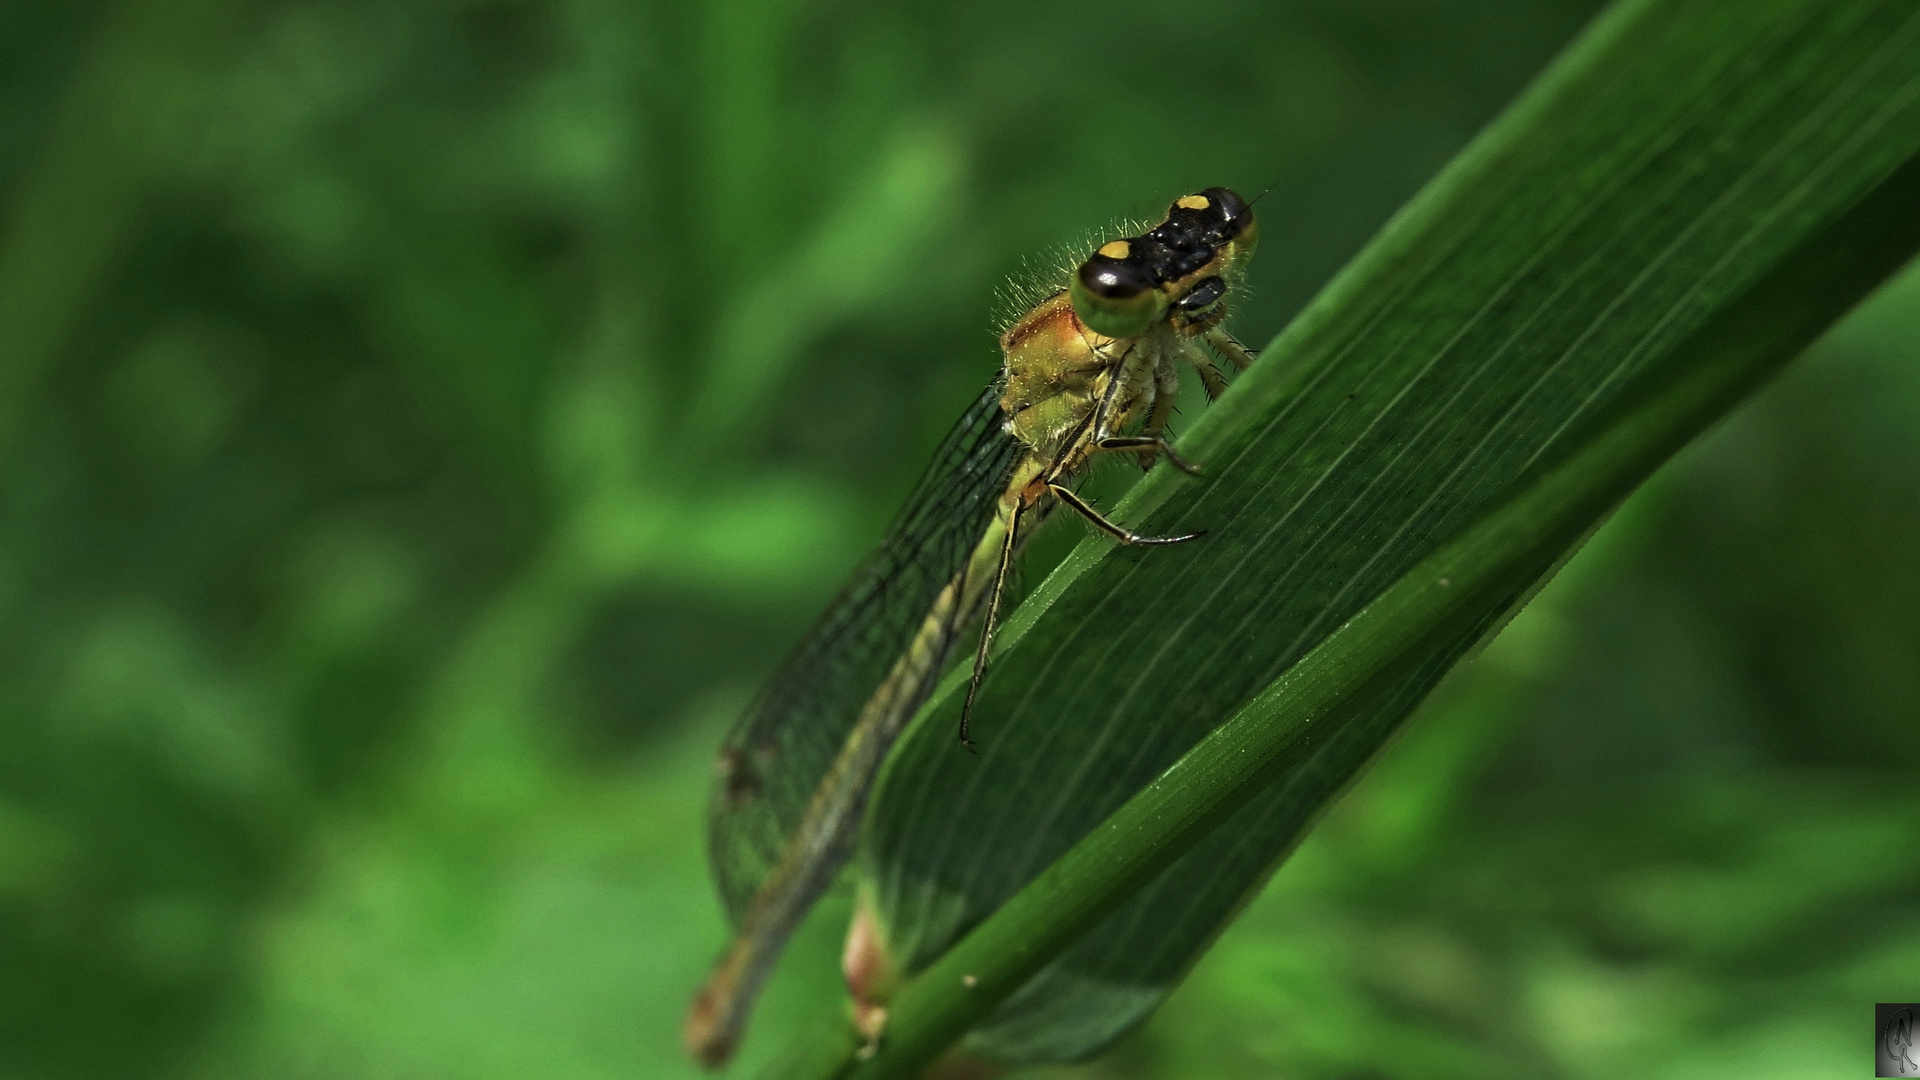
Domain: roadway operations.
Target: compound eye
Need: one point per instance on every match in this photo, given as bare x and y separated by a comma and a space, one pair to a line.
1113, 279
1229, 213
1113, 294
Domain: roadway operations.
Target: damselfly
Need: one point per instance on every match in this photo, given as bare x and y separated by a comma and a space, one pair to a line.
1086, 364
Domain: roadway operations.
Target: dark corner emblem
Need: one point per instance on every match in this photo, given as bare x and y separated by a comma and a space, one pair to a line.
1895, 1054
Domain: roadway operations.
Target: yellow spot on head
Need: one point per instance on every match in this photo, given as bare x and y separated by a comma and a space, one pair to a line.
1192, 202
1115, 249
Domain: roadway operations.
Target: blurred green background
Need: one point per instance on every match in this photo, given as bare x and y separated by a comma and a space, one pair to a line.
424, 423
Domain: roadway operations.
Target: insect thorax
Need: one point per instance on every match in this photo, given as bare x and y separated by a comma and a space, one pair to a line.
1053, 369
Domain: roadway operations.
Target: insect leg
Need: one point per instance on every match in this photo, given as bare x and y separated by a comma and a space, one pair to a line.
1241, 356
1166, 384
1126, 536
1210, 378
1159, 446
986, 626
1097, 421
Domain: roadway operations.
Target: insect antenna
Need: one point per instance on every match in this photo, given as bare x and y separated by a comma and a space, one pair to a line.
1264, 190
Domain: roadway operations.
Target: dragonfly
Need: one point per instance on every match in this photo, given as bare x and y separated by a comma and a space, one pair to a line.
1090, 369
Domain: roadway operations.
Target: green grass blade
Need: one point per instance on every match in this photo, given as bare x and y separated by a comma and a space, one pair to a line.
1680, 203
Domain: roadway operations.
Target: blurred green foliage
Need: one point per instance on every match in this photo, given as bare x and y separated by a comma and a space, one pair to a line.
426, 421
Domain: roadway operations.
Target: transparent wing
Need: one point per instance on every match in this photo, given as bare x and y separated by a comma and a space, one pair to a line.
781, 747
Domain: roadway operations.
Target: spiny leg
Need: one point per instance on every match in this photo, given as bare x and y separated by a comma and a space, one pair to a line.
1151, 444
1211, 380
1130, 388
1102, 410
1155, 445
986, 626
1094, 427
1166, 386
1126, 536
1241, 356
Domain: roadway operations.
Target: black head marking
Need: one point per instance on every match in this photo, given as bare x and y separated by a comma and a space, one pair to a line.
1227, 214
